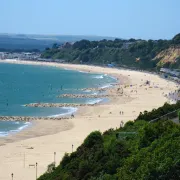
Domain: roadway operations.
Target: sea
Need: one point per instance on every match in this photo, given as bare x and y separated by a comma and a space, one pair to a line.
23, 84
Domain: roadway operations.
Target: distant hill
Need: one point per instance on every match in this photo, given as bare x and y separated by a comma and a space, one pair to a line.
132, 53
24, 41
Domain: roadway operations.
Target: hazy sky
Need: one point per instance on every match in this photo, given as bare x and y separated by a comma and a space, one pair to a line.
148, 19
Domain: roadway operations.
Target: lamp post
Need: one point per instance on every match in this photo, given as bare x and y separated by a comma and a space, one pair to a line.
36, 170
54, 159
24, 160
72, 147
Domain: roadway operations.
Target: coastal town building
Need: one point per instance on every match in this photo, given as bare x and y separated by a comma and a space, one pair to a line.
175, 73
20, 55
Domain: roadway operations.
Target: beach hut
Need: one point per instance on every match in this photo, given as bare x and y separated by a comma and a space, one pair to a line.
110, 65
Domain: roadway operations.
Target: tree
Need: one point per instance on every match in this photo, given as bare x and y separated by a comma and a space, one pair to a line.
176, 39
55, 46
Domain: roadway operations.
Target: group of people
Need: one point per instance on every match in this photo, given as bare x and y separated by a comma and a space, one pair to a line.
121, 112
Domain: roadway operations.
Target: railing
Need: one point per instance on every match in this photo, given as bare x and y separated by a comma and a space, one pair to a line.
166, 116
123, 135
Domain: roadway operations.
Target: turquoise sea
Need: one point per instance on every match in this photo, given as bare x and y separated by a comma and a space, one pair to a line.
23, 84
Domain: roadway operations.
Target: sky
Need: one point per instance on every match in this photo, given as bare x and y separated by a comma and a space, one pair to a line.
145, 19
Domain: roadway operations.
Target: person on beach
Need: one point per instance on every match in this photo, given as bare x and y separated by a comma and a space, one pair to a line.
121, 124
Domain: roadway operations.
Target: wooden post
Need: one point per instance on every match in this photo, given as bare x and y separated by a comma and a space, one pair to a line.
24, 160
54, 159
36, 170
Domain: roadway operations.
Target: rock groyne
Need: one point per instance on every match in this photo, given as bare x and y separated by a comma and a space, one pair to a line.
88, 95
29, 118
57, 105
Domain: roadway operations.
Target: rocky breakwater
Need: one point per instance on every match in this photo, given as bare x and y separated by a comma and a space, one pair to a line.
88, 95
57, 105
94, 89
28, 118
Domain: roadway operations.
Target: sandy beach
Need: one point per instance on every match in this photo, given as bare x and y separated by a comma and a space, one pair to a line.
39, 142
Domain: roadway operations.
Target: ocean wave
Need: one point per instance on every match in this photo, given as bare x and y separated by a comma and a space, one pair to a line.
26, 124
87, 90
94, 101
16, 122
95, 93
82, 71
106, 86
98, 77
71, 110
112, 77
67, 69
3, 134
6, 133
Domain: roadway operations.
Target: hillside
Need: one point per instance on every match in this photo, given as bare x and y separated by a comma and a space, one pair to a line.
139, 150
10, 42
170, 56
127, 53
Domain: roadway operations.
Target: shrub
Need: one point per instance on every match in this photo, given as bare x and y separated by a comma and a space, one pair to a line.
93, 139
50, 168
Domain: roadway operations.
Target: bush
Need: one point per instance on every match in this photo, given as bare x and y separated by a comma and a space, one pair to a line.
93, 139
157, 113
152, 153
50, 168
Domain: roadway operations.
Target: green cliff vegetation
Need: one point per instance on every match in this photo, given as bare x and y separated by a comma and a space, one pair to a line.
139, 150
130, 53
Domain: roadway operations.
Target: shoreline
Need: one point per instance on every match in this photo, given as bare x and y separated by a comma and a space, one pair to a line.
25, 119
102, 99
139, 97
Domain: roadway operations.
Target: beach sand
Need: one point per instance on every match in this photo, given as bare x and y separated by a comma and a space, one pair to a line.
39, 142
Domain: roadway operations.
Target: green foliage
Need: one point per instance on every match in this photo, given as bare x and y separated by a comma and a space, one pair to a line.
179, 115
51, 168
153, 152
156, 113
93, 139
120, 52
176, 39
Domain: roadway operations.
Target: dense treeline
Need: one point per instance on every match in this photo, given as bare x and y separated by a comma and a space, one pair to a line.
140, 150
132, 53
